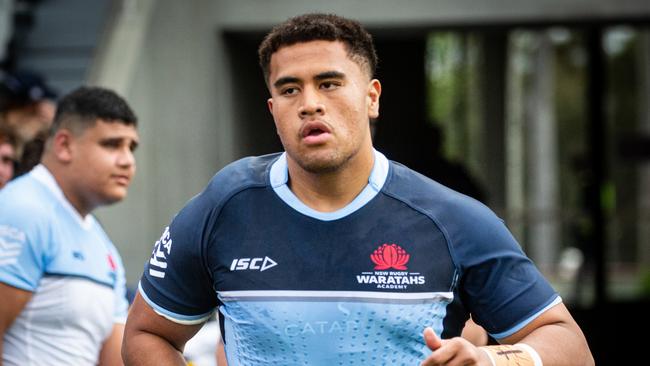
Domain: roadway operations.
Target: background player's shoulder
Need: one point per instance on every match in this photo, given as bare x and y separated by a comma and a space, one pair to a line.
26, 199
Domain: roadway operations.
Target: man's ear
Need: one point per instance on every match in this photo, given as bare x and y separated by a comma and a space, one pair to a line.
269, 103
374, 91
63, 145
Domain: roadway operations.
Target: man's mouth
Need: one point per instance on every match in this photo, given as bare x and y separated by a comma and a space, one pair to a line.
314, 128
315, 133
122, 180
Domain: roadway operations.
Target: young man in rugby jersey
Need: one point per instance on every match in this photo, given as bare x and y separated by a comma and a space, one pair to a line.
62, 282
329, 253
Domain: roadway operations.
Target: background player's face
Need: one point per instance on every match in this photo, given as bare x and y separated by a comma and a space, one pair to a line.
103, 162
321, 101
7, 157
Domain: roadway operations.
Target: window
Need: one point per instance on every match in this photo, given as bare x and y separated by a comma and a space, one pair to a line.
557, 131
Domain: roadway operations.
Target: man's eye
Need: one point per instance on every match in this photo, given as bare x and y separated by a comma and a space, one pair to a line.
289, 91
329, 85
111, 144
6, 160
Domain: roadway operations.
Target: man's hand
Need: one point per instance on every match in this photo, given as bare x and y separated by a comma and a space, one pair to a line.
452, 352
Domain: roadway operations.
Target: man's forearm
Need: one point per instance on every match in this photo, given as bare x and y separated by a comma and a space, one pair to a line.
146, 349
560, 345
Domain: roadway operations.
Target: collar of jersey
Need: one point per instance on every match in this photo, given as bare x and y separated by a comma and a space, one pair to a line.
279, 176
41, 174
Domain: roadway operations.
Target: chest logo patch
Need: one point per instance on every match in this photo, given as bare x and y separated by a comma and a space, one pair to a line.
111, 262
390, 256
390, 271
255, 264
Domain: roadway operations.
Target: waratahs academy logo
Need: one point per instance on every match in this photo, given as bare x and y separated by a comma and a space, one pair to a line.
390, 256
390, 271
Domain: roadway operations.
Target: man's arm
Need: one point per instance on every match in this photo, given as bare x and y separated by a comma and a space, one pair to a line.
151, 339
110, 354
474, 333
221, 354
13, 302
554, 335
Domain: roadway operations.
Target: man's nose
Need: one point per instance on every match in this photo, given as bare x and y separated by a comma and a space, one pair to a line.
311, 103
126, 158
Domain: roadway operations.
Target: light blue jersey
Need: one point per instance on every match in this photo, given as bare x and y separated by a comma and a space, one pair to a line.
71, 267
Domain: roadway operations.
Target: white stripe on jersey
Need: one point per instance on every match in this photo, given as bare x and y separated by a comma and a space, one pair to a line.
334, 295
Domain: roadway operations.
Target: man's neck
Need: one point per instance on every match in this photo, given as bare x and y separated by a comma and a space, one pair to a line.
67, 187
331, 191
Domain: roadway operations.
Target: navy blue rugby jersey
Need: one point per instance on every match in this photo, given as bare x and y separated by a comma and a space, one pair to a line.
294, 286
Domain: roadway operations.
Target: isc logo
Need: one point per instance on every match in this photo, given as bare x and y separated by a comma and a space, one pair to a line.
261, 264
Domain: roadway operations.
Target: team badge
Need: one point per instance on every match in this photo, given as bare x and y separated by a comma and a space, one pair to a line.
111, 262
390, 256
390, 270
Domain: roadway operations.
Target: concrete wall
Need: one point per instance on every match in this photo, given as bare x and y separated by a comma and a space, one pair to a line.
178, 80
174, 89
60, 42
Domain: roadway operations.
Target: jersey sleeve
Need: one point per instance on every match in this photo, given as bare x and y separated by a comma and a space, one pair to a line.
24, 245
176, 282
500, 285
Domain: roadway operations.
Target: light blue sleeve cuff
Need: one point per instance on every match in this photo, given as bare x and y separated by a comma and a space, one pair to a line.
525, 322
174, 317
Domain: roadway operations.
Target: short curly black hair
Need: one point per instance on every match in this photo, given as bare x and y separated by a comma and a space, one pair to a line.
316, 27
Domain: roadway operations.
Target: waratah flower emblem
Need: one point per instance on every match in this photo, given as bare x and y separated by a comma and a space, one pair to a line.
390, 256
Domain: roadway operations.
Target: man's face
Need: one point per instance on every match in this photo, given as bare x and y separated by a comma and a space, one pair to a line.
102, 163
7, 157
321, 101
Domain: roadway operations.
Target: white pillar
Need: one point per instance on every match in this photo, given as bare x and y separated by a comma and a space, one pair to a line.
122, 45
543, 174
514, 137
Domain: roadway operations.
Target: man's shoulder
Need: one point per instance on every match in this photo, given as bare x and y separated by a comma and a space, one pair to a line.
246, 172
238, 176
411, 186
24, 195
441, 203
26, 216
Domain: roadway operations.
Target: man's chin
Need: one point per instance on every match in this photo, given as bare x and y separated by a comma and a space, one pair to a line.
321, 165
324, 160
114, 196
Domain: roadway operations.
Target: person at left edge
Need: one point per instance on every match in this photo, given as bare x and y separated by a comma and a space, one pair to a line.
7, 155
62, 282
